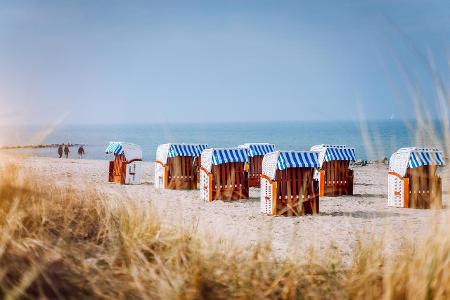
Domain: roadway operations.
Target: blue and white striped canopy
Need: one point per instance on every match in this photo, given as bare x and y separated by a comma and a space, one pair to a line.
281, 160
131, 151
297, 159
334, 152
164, 151
217, 156
340, 153
186, 149
424, 157
413, 157
227, 155
255, 149
114, 148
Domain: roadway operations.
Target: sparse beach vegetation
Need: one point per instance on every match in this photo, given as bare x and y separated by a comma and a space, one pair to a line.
60, 242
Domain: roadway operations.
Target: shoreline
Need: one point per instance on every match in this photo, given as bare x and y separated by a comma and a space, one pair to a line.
358, 162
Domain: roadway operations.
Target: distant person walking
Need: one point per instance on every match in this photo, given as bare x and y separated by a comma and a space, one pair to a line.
66, 151
81, 151
60, 150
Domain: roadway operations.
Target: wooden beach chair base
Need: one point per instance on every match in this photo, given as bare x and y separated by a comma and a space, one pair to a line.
182, 173
336, 179
425, 187
420, 188
226, 181
255, 171
117, 170
294, 192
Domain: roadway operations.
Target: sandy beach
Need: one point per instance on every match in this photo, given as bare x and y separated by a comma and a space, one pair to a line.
341, 223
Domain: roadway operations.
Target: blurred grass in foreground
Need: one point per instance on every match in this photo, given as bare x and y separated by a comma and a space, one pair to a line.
58, 242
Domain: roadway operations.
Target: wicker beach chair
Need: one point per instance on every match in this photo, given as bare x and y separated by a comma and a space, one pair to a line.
126, 168
288, 186
335, 176
177, 166
223, 175
256, 152
412, 179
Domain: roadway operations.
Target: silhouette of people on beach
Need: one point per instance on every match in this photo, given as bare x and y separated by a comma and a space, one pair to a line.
60, 150
66, 151
81, 151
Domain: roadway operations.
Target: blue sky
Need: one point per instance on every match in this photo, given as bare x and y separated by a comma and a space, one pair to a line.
203, 61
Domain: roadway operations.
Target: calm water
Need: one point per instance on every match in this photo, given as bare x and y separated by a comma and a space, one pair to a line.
384, 136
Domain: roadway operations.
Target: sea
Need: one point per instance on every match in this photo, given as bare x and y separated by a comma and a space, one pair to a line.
372, 140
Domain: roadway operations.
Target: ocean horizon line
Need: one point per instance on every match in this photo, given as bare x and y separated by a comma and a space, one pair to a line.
250, 122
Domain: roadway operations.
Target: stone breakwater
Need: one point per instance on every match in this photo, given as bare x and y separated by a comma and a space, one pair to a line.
35, 146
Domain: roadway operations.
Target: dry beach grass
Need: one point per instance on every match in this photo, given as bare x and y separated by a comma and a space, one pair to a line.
59, 241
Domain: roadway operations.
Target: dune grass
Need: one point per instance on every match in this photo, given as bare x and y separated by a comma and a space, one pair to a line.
59, 242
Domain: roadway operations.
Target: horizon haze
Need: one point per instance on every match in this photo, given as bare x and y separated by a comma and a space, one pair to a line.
102, 62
